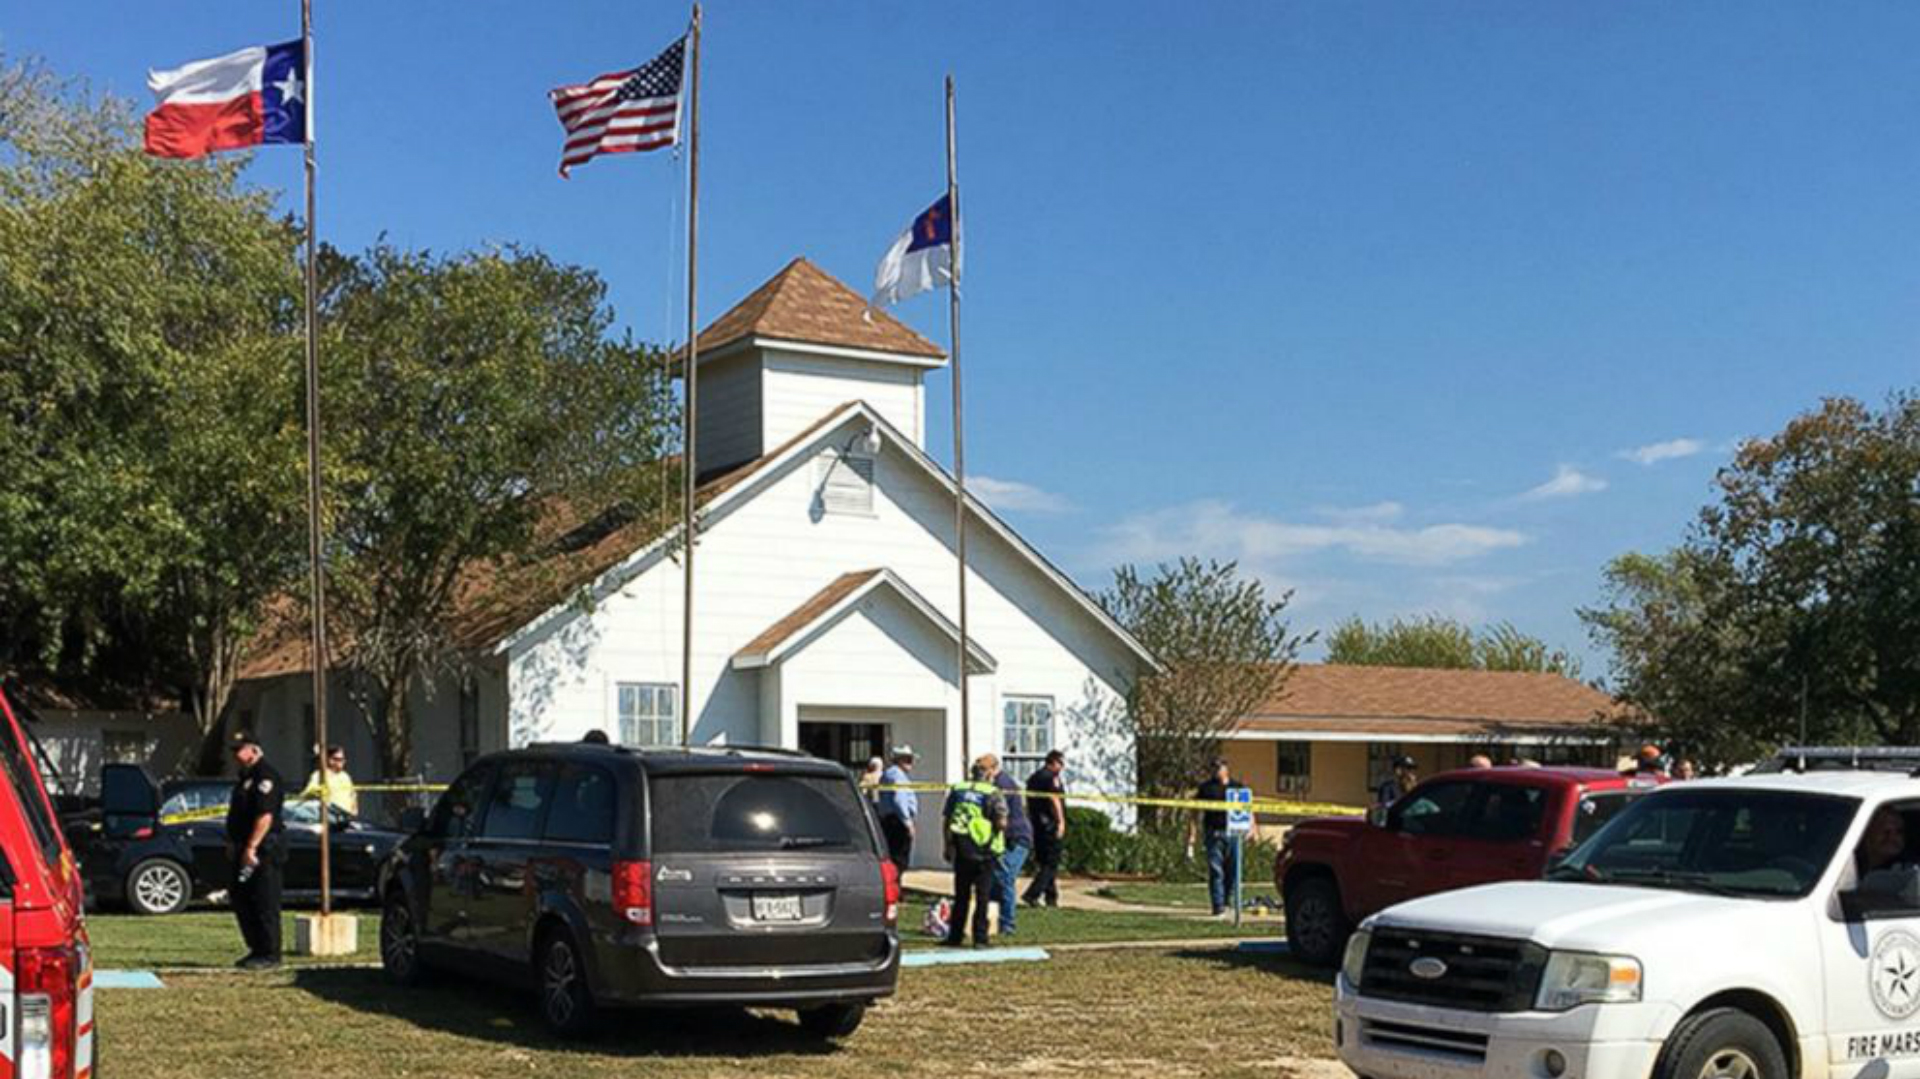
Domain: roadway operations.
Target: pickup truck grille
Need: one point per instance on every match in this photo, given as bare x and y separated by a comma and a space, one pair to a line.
1481, 974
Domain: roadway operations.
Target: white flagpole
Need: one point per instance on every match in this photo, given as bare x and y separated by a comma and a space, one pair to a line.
959, 438
689, 429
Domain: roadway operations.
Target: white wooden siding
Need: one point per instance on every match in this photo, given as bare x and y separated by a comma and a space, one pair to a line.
798, 389
730, 427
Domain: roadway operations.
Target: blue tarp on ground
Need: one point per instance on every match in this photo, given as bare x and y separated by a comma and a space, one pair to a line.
127, 979
956, 956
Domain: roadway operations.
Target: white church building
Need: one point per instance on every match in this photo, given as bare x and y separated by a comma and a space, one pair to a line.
825, 591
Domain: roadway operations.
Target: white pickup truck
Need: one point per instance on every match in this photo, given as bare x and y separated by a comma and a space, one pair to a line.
1766, 927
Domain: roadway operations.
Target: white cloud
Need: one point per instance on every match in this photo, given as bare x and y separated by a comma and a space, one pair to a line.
1567, 482
1377, 513
1014, 496
1263, 544
1655, 452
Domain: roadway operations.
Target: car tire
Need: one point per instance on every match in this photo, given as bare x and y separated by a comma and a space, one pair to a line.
560, 972
159, 886
400, 943
829, 1021
1725, 1043
1316, 922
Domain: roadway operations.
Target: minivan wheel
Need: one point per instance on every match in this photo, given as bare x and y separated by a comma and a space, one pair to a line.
1725, 1043
159, 886
400, 942
1316, 924
566, 1002
832, 1020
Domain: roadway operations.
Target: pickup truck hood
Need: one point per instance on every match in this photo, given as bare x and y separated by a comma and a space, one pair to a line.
1594, 917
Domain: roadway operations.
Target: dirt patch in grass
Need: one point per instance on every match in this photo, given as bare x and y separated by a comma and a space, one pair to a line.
1185, 1013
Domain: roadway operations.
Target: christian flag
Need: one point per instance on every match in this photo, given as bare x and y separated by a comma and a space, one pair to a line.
248, 98
921, 258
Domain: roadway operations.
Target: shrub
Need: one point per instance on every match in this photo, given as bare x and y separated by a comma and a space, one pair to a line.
1095, 847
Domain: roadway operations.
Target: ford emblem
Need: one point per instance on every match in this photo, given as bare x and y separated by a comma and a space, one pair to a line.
1427, 967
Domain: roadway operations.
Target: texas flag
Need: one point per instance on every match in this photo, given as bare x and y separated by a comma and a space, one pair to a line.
246, 98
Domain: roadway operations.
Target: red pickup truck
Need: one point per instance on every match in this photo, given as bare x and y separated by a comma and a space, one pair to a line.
1455, 830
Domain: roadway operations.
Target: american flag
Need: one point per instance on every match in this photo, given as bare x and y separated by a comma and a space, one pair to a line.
625, 112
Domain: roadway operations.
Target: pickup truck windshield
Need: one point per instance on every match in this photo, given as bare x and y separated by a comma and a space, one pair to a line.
1722, 842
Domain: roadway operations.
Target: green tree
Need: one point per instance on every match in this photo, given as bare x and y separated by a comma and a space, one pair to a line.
476, 398
149, 468
1434, 641
1791, 608
1226, 649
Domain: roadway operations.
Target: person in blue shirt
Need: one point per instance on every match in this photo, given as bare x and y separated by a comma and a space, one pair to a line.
1019, 845
899, 808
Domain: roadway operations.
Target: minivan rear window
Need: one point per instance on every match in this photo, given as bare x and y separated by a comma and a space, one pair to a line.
717, 813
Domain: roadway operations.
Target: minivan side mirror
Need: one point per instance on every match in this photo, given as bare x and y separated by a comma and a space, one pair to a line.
413, 819
1884, 893
1377, 816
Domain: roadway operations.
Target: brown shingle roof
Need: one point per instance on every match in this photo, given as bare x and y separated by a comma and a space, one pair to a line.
493, 604
805, 303
820, 603
1410, 700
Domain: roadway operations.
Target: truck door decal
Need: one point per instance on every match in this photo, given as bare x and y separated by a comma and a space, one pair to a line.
1893, 974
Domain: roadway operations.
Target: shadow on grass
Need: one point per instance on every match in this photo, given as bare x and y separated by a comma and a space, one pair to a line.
1269, 962
495, 1013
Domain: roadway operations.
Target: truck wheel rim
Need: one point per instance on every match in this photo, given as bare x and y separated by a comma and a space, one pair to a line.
560, 979
158, 888
1729, 1064
1314, 929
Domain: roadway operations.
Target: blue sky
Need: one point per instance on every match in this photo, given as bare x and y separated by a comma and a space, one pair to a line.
1381, 299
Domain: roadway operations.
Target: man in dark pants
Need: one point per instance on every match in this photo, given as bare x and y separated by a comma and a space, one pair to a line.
1046, 807
898, 807
257, 852
976, 833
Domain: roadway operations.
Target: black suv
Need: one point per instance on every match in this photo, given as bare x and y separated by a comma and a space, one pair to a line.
607, 877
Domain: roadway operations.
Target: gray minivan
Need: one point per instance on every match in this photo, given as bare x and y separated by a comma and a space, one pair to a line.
606, 877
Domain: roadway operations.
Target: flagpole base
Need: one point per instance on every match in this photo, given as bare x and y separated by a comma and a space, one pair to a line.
322, 935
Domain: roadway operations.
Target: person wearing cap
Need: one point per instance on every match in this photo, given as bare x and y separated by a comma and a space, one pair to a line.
974, 838
1223, 860
1406, 773
257, 852
1046, 808
1648, 762
898, 808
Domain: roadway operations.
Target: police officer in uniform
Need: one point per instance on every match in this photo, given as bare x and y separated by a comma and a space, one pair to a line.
257, 851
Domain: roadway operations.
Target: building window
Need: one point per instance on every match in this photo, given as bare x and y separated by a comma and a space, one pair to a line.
1293, 767
1029, 722
846, 483
1380, 758
649, 713
469, 722
125, 747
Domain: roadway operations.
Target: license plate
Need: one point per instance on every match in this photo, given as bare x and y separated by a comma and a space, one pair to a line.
776, 908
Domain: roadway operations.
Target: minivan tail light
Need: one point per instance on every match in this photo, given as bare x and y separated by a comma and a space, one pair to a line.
633, 892
890, 887
48, 981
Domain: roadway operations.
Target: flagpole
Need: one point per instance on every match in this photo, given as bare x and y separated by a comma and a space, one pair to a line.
959, 439
315, 547
690, 424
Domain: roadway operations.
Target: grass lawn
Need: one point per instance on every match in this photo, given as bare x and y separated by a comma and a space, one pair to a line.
1122, 1013
1156, 894
1059, 926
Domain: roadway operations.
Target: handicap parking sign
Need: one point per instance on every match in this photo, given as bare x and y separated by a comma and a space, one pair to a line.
1240, 817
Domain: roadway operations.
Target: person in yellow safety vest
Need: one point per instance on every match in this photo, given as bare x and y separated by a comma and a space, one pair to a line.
332, 783
976, 834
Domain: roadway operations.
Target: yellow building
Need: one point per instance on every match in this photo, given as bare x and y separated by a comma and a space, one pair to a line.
1333, 732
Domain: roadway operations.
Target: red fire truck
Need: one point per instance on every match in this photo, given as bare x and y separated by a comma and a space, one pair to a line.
46, 966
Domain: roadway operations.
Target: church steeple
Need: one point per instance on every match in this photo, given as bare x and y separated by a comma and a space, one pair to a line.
796, 347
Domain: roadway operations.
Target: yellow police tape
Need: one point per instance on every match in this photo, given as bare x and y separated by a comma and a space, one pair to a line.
1270, 806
